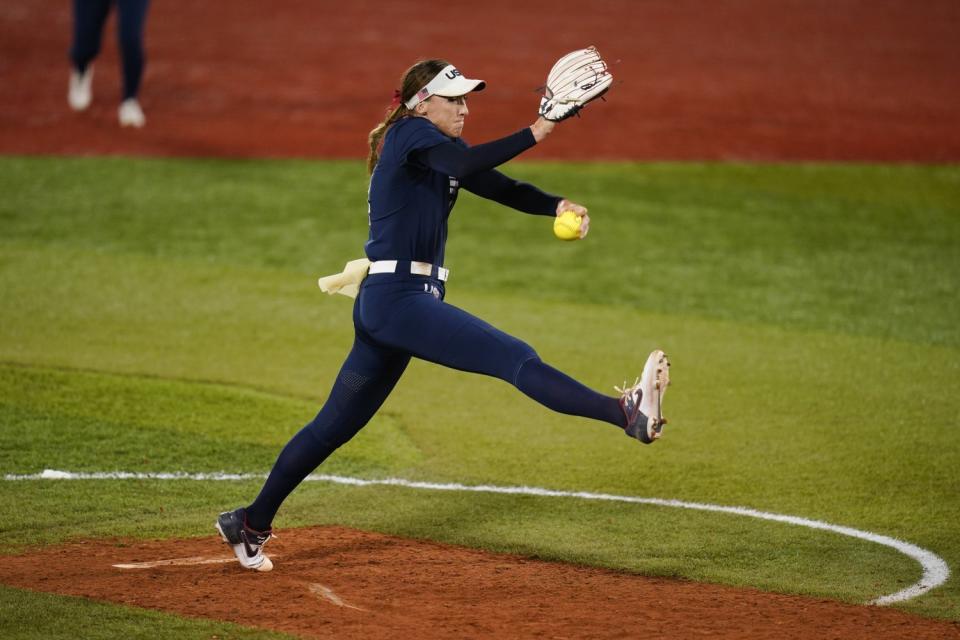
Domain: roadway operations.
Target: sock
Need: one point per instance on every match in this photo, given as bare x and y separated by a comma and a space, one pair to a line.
299, 458
558, 391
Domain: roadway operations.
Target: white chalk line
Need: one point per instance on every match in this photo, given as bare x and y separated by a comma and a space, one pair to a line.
935, 569
175, 562
327, 594
315, 588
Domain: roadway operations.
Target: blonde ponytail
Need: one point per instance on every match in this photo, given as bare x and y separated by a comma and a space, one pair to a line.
375, 139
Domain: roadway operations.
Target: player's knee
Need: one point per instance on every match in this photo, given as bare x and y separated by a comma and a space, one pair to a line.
331, 428
526, 352
330, 434
522, 353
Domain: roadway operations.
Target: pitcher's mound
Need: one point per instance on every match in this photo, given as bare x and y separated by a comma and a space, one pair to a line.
333, 582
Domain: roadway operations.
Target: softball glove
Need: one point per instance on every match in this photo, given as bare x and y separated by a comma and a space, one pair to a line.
576, 79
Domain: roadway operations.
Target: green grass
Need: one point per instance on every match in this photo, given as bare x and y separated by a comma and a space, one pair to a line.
25, 615
163, 315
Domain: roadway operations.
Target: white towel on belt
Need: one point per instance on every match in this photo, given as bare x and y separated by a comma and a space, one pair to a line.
347, 282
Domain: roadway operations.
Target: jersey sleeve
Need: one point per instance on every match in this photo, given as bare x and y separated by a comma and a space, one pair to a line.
457, 159
522, 196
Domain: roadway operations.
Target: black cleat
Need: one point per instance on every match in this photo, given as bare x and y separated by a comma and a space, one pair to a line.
247, 544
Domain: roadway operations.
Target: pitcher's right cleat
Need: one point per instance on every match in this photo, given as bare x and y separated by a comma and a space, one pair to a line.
642, 402
247, 544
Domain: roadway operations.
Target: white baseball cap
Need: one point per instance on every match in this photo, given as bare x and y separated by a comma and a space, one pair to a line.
449, 83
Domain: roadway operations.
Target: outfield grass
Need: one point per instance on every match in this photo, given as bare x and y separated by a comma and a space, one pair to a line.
163, 315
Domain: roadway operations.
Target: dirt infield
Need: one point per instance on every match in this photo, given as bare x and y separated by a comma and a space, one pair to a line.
341, 583
695, 79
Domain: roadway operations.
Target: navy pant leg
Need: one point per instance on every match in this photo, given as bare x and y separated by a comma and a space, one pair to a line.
408, 316
365, 380
558, 391
88, 19
131, 17
396, 319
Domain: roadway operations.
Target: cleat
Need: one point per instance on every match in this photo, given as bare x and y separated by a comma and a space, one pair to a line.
642, 402
130, 114
247, 544
80, 92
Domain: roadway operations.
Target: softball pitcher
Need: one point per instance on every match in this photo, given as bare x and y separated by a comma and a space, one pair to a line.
418, 164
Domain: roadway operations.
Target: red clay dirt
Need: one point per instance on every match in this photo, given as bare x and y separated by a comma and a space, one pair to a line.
341, 583
871, 80
863, 80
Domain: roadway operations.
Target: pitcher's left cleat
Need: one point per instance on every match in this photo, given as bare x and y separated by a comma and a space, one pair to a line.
247, 544
642, 403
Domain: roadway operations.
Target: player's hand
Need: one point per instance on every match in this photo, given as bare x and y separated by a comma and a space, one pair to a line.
580, 210
542, 128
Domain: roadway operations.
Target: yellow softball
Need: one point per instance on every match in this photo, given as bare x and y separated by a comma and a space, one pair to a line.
566, 226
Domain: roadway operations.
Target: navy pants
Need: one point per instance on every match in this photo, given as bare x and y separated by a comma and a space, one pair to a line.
89, 17
397, 317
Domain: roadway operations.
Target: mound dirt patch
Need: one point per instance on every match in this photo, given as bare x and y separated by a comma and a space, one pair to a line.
336, 582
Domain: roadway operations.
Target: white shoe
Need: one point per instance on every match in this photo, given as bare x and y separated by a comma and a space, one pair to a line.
642, 403
80, 93
130, 114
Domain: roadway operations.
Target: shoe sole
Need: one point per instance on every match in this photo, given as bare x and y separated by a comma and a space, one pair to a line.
131, 123
78, 105
266, 565
129, 114
661, 382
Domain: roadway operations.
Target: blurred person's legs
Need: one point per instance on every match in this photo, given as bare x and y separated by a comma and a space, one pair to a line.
88, 19
131, 17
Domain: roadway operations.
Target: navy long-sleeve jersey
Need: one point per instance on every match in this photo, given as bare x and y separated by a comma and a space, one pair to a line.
416, 181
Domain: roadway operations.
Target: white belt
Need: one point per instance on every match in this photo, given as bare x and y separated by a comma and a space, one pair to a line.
416, 268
